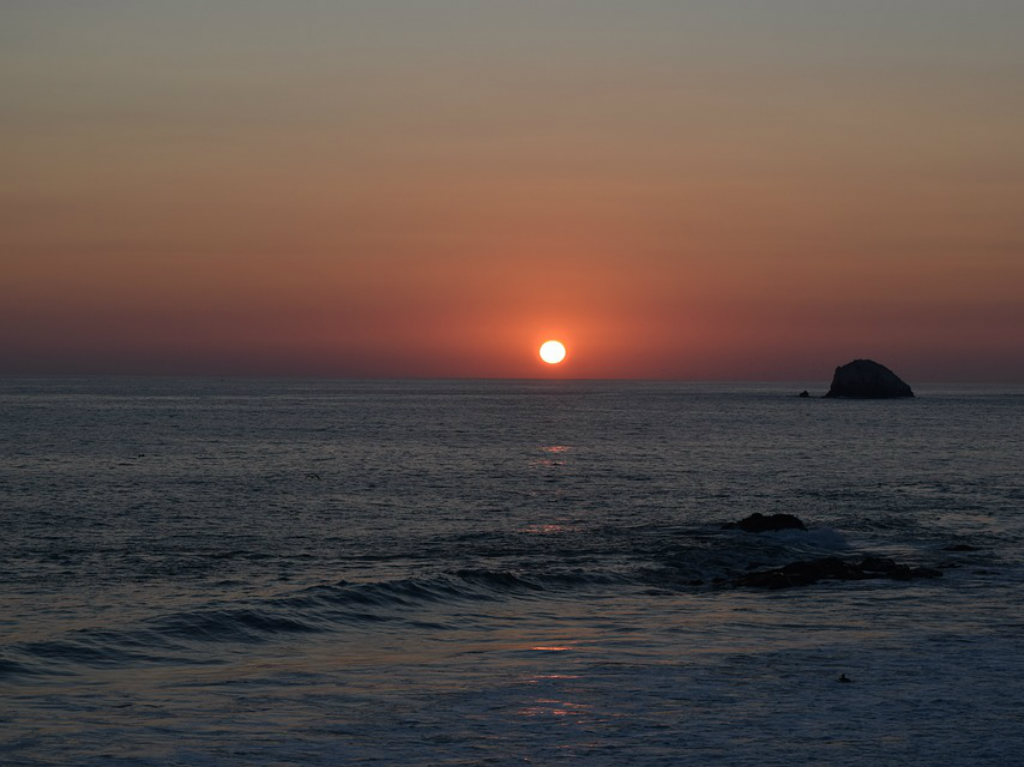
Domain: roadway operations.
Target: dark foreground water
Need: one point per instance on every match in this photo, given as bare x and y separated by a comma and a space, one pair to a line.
239, 572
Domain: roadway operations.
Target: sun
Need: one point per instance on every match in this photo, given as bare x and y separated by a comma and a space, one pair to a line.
552, 352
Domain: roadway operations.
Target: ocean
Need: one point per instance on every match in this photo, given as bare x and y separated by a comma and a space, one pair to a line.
316, 572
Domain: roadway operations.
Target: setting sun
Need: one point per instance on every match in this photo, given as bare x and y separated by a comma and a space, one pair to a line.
552, 352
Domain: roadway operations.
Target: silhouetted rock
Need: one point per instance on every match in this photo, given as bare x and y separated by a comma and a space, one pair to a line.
867, 379
804, 393
805, 573
759, 523
878, 564
900, 573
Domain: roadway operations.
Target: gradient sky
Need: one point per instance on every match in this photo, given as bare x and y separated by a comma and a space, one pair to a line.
692, 190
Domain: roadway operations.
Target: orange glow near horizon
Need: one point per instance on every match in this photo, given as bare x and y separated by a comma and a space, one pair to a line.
698, 210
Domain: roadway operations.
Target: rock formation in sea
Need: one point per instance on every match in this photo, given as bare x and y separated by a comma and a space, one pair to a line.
867, 379
806, 573
760, 523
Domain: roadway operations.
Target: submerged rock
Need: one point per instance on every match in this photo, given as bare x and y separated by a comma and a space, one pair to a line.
808, 572
878, 564
759, 523
868, 380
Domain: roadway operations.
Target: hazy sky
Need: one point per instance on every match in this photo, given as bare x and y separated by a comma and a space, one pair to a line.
760, 189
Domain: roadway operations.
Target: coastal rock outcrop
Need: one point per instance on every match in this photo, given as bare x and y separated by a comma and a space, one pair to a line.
808, 572
868, 380
760, 523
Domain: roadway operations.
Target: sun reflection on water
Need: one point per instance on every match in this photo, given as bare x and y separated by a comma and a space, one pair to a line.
554, 455
546, 529
554, 707
551, 648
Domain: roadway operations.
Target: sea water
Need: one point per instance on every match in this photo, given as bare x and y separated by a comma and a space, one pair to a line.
242, 572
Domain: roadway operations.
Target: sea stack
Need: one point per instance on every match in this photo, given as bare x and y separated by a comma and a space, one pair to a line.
867, 379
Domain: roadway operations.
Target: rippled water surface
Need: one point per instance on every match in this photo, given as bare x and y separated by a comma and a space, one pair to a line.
244, 572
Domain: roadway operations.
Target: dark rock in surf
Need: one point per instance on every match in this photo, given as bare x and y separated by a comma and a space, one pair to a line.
878, 564
806, 573
900, 573
866, 379
804, 393
760, 523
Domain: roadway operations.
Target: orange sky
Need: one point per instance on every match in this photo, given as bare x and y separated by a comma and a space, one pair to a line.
693, 191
